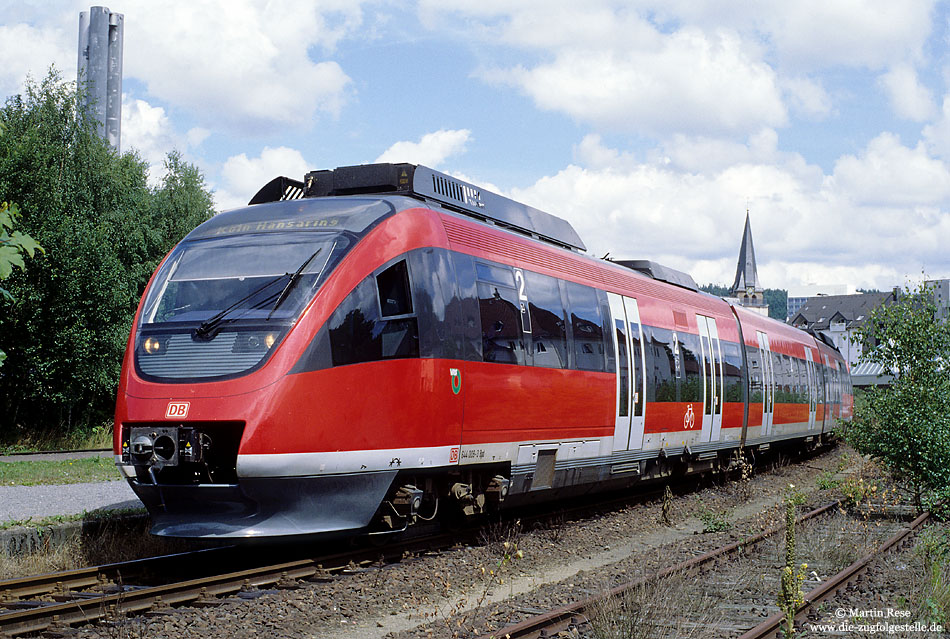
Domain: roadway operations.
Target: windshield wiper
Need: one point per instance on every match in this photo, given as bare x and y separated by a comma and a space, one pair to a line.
207, 328
290, 283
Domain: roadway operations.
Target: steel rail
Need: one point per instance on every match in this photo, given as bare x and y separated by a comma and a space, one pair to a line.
564, 617
833, 585
77, 606
73, 606
36, 585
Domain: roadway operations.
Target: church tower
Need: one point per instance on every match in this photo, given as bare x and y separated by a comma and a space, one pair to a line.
746, 287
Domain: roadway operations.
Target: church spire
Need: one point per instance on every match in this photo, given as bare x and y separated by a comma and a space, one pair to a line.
746, 286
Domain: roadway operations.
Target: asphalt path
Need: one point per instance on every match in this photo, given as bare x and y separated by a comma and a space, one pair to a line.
18, 503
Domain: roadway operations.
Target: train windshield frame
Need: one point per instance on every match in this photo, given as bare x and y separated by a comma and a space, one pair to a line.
243, 276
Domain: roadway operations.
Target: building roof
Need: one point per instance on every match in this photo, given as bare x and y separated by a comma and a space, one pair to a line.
818, 313
746, 273
870, 374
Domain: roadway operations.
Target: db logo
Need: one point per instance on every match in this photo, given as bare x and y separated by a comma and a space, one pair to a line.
454, 455
689, 420
177, 410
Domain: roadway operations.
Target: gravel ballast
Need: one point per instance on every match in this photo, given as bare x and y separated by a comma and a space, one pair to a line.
460, 592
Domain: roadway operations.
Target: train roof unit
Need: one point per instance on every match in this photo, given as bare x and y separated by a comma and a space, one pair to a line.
428, 185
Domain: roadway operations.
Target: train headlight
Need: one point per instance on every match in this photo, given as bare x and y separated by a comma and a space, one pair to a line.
269, 339
152, 346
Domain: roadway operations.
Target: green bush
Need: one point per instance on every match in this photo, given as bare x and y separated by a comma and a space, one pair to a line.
104, 230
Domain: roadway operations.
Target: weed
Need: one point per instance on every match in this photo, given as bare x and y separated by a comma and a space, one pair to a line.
826, 481
553, 527
791, 597
106, 537
459, 618
933, 549
499, 536
661, 610
667, 506
714, 521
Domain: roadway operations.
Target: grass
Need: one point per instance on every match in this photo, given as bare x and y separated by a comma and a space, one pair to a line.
55, 520
49, 472
659, 610
106, 536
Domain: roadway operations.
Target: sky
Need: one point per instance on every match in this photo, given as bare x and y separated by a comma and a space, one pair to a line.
652, 126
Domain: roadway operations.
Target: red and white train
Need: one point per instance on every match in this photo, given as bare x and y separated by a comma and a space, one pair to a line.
383, 342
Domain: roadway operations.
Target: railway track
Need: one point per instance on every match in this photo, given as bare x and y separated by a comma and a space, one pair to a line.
833, 586
734, 568
54, 601
34, 604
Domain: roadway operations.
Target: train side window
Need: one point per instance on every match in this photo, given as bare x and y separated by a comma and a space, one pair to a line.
586, 327
500, 314
466, 306
358, 332
756, 381
732, 367
393, 285
435, 303
692, 384
662, 374
548, 321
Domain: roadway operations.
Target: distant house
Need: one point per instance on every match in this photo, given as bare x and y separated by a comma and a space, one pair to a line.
798, 295
837, 317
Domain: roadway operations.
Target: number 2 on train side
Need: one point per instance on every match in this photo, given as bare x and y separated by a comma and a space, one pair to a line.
522, 301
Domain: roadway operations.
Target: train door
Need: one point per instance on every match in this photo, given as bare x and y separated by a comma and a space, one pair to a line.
826, 394
712, 378
631, 390
638, 378
768, 383
812, 387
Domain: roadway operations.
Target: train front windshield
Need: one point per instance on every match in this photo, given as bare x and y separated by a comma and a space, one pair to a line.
219, 305
245, 275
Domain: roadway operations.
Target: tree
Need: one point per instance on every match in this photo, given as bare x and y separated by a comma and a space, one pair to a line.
105, 231
906, 425
776, 298
13, 244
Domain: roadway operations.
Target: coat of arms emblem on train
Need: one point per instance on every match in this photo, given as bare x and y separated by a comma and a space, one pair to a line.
456, 380
689, 420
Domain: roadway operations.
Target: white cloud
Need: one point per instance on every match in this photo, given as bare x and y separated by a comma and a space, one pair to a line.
816, 34
860, 33
147, 130
29, 50
431, 150
241, 63
909, 98
937, 134
689, 81
243, 176
807, 226
660, 67
808, 97
888, 173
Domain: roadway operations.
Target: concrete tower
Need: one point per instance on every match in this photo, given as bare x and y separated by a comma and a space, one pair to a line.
99, 72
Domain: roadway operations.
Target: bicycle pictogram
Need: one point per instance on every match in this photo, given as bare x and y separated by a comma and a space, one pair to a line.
689, 420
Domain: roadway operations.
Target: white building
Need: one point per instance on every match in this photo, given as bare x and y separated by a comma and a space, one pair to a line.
837, 316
